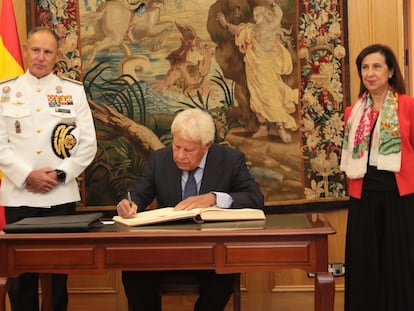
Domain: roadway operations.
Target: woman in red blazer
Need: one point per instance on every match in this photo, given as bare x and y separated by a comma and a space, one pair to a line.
378, 159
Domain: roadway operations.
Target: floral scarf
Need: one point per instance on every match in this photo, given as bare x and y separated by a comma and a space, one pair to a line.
357, 137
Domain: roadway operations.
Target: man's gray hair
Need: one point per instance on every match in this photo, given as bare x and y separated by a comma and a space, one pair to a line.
44, 29
195, 125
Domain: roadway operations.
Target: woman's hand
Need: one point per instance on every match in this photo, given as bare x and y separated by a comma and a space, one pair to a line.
222, 20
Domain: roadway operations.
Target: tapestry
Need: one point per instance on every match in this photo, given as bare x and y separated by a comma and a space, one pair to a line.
271, 73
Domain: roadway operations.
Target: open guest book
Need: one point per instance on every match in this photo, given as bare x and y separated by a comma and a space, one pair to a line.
199, 215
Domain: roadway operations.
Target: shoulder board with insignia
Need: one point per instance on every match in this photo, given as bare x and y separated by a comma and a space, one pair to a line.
71, 80
8, 79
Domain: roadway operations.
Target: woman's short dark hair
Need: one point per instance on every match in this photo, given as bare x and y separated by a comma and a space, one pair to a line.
396, 81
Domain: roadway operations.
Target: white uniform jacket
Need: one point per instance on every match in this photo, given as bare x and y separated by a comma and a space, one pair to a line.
44, 122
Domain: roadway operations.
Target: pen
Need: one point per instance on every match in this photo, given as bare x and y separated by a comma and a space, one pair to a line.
131, 212
129, 199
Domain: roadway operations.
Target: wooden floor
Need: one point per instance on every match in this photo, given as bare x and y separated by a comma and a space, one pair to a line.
257, 302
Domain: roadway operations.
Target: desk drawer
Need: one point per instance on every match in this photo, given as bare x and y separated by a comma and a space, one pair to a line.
191, 256
33, 259
271, 253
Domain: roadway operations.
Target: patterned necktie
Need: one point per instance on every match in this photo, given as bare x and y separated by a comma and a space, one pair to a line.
190, 188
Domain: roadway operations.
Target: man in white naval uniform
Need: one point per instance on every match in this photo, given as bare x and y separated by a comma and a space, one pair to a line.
47, 139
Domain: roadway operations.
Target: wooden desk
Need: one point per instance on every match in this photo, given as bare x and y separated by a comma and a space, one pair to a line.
280, 242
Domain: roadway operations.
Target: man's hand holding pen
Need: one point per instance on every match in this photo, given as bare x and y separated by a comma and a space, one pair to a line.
126, 208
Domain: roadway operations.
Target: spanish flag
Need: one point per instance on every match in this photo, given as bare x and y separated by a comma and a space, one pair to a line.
11, 62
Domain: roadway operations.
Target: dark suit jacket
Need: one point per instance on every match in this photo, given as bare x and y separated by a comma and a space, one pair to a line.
225, 171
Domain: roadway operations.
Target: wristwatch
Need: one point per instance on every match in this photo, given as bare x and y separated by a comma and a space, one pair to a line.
61, 176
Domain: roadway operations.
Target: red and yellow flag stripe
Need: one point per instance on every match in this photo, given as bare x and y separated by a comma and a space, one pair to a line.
11, 62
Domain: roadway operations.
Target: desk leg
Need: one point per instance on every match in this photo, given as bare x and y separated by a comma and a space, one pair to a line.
3, 292
324, 291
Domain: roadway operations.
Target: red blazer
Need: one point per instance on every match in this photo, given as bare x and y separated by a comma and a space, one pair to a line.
405, 177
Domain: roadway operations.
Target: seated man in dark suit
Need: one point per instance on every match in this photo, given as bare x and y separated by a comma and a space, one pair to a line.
219, 177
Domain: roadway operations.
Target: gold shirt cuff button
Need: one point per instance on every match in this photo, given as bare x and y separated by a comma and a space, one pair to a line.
38, 151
